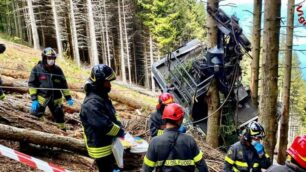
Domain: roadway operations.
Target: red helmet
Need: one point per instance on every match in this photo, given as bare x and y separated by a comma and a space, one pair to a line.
173, 111
166, 98
298, 150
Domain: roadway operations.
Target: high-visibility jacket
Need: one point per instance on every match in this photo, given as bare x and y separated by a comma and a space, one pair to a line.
100, 124
241, 158
156, 124
53, 78
184, 156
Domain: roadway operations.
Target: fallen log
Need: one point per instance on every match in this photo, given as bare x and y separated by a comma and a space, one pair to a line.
12, 85
42, 138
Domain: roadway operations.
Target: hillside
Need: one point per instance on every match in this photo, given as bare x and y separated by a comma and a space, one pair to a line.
132, 103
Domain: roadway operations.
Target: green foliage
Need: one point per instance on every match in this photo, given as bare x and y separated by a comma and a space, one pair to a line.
173, 22
298, 88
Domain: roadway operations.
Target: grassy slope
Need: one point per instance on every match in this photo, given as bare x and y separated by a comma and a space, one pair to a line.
23, 58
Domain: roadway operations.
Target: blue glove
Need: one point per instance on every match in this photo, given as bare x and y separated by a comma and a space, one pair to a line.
182, 129
35, 106
259, 148
70, 102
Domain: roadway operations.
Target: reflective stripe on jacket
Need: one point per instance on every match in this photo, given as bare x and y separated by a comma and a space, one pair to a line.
184, 156
100, 125
239, 158
42, 78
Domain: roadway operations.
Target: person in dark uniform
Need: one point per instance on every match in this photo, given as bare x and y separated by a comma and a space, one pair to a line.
156, 124
98, 116
47, 84
173, 151
248, 154
296, 160
2, 95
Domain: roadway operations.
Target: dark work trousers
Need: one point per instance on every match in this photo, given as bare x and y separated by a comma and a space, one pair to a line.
56, 110
106, 164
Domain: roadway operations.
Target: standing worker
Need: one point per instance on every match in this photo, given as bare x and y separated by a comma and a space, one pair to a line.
99, 119
2, 95
156, 124
296, 160
248, 154
47, 84
173, 151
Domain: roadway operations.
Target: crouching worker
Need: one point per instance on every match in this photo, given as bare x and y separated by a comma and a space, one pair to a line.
98, 118
47, 84
2, 95
296, 160
173, 151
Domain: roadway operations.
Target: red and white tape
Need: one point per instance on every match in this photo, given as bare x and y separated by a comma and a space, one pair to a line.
30, 161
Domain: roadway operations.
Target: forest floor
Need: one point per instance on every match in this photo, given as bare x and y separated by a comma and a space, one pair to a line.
15, 67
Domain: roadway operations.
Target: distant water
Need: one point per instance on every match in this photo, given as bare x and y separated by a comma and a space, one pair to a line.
242, 11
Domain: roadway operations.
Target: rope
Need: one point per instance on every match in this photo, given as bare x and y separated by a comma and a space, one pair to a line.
53, 89
23, 70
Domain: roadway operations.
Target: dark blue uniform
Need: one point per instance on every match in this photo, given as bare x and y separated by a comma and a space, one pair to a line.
184, 157
241, 158
53, 78
156, 124
100, 126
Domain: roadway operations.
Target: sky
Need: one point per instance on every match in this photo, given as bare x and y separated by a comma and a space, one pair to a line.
246, 18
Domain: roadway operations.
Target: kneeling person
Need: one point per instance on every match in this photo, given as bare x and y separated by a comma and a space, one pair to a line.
47, 84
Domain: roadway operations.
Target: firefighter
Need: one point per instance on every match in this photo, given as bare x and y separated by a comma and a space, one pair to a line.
2, 95
156, 124
248, 154
296, 160
173, 150
47, 84
99, 119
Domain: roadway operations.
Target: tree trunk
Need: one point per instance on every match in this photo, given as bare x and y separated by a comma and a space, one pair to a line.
146, 64
127, 47
268, 100
283, 139
42, 138
106, 34
92, 35
256, 50
57, 30
152, 61
33, 25
123, 72
74, 35
16, 32
20, 30
42, 30
213, 123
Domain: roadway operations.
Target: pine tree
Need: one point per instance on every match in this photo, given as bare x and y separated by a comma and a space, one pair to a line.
268, 100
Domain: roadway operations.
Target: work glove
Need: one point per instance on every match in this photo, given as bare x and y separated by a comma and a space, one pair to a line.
121, 133
2, 97
35, 106
259, 148
70, 102
182, 129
